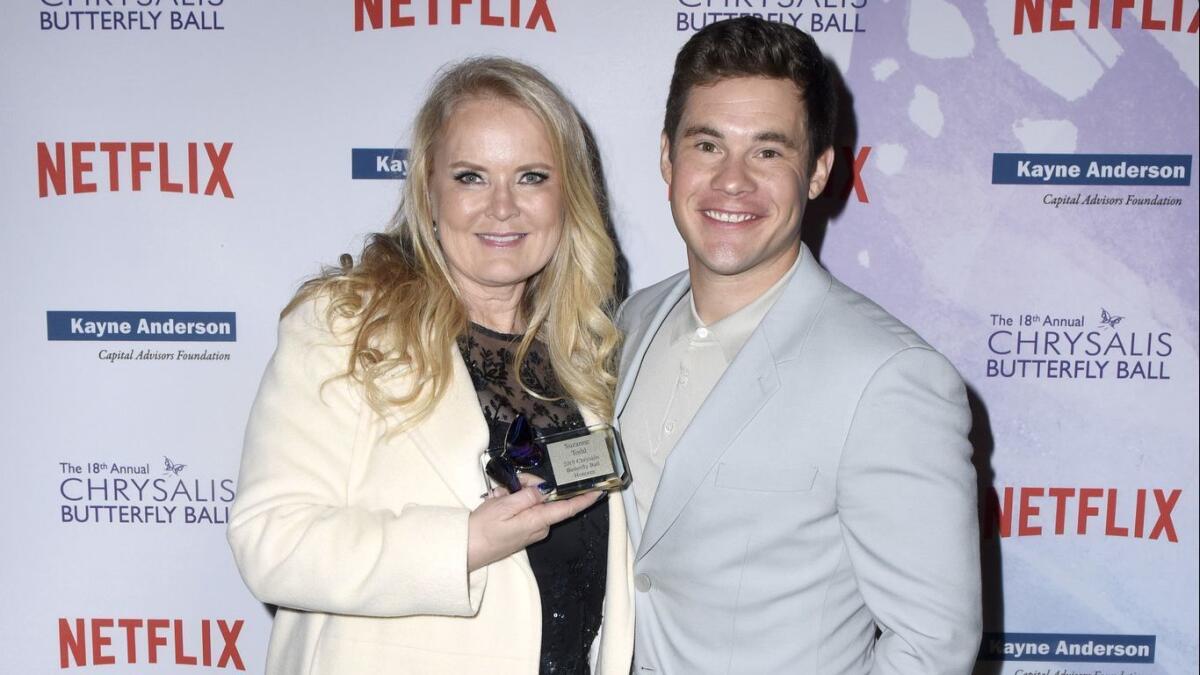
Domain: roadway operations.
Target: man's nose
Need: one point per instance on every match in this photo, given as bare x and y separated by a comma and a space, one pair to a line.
733, 177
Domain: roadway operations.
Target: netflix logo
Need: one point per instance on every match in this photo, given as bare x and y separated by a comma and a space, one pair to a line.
1113, 512
101, 642
80, 167
1057, 15
527, 14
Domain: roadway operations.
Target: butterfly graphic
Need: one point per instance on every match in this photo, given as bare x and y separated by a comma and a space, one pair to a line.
1110, 320
172, 467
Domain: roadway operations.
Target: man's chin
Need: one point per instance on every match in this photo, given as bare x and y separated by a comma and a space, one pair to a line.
729, 264
719, 265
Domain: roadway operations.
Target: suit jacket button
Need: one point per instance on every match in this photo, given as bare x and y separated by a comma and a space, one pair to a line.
642, 582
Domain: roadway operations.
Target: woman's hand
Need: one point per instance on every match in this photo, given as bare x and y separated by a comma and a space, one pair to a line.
503, 525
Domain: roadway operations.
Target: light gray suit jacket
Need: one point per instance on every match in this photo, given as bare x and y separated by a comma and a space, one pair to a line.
824, 490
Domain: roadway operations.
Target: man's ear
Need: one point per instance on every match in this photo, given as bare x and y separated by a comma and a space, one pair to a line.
820, 173
664, 160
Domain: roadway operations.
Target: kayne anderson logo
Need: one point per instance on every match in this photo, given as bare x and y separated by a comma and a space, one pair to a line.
1068, 169
142, 326
1055, 15
179, 642
106, 327
379, 163
1077, 648
527, 14
81, 167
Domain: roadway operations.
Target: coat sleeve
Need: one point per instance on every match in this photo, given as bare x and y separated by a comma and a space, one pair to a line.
906, 497
297, 539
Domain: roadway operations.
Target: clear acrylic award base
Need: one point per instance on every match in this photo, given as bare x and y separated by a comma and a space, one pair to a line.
577, 461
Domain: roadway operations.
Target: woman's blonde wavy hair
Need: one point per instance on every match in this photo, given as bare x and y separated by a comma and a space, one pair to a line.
402, 302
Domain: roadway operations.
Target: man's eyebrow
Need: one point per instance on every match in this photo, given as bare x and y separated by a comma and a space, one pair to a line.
761, 137
776, 137
702, 130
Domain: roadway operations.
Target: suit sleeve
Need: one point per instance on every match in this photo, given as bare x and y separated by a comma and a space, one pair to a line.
297, 539
906, 497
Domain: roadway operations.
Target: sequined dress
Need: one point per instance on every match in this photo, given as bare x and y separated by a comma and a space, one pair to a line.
569, 564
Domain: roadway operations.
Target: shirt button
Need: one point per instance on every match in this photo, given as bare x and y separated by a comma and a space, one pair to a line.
642, 582
683, 380
701, 332
669, 427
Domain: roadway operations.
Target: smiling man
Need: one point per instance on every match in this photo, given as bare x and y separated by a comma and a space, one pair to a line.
803, 488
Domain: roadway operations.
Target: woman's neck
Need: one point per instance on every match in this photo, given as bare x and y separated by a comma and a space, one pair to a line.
497, 308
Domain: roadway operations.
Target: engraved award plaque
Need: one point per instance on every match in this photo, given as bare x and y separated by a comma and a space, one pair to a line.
572, 461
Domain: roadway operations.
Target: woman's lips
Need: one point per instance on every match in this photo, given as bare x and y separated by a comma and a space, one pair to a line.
502, 240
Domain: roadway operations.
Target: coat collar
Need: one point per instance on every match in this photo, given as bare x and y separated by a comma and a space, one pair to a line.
454, 436
749, 381
787, 324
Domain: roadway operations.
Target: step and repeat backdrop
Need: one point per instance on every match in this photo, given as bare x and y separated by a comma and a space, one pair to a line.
1015, 180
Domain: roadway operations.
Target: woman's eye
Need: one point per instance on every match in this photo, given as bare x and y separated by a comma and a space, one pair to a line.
534, 178
468, 177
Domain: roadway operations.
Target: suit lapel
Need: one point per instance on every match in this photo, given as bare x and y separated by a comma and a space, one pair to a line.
787, 324
748, 382
637, 341
633, 521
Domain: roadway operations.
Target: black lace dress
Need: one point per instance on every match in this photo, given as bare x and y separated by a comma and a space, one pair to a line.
569, 564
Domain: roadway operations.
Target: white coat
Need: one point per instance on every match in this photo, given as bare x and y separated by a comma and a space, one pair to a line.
358, 533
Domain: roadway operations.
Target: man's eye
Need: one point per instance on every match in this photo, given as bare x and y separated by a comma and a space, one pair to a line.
534, 178
771, 154
706, 146
468, 177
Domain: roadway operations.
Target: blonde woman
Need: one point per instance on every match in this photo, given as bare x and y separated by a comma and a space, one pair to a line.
359, 510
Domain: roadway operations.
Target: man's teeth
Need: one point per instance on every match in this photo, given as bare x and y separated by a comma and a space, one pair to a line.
727, 217
502, 238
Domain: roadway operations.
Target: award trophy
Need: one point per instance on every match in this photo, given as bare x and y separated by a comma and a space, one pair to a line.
571, 462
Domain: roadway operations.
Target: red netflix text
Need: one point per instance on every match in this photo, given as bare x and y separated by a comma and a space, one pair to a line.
1112, 512
1165, 15
69, 168
100, 642
856, 162
531, 14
